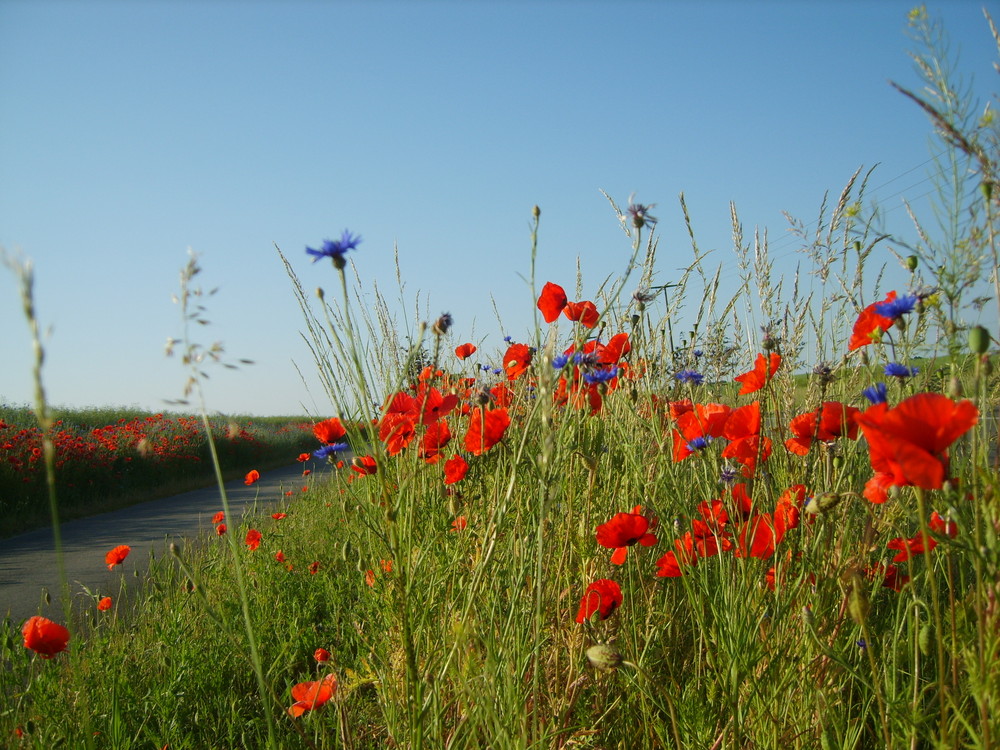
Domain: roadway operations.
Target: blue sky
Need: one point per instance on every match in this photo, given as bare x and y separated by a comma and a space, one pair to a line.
134, 131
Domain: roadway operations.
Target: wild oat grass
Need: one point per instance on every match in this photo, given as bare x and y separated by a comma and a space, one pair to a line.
827, 610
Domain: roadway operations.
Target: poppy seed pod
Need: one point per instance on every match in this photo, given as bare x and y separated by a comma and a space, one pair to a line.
911, 262
603, 657
979, 340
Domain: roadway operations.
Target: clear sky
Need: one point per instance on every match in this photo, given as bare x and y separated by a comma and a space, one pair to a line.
132, 131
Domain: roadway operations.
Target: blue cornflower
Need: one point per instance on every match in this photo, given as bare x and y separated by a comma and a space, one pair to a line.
601, 376
897, 308
496, 370
585, 359
335, 249
728, 475
559, 361
699, 443
877, 393
690, 376
508, 339
697, 353
328, 450
896, 370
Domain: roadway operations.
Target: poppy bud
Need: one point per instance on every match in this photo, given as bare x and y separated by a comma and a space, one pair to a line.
924, 639
955, 389
346, 553
857, 601
979, 340
911, 262
536, 212
807, 616
838, 462
320, 293
822, 502
603, 657
47, 598
987, 188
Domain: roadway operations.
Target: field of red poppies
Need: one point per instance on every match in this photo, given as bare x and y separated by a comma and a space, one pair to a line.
778, 529
106, 458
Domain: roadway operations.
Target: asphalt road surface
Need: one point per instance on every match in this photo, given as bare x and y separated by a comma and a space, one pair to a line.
28, 567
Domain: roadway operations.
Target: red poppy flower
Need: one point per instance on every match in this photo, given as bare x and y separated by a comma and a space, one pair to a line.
396, 430
117, 555
788, 511
756, 537
434, 406
455, 469
907, 548
279, 556
746, 444
303, 457
870, 326
760, 375
502, 395
889, 575
252, 540
464, 351
603, 597
584, 312
516, 360
697, 426
435, 438
370, 577
321, 655
364, 465
220, 529
44, 637
910, 441
329, 431
623, 531
104, 604
459, 524
219, 517
251, 477
309, 696
486, 429
607, 354
279, 516
834, 420
313, 567
942, 525
684, 553
551, 301
713, 519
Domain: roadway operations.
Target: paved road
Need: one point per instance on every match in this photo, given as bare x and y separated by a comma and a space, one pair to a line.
28, 561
